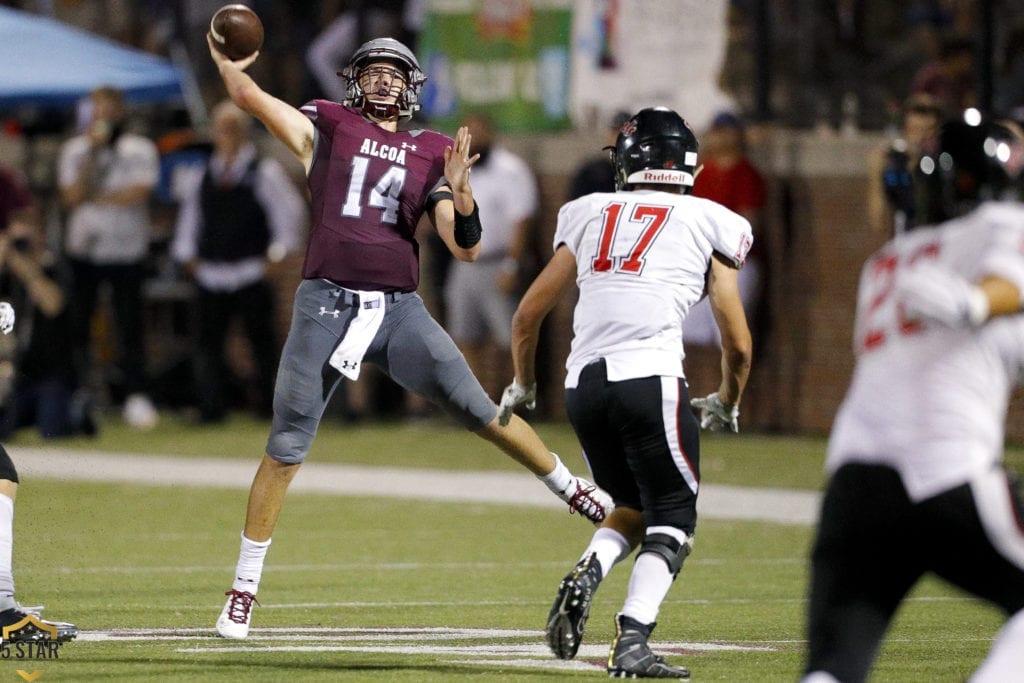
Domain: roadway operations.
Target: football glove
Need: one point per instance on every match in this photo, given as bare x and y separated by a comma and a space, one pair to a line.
516, 394
715, 416
935, 293
6, 317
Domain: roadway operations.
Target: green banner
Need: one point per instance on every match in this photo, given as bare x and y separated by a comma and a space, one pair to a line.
509, 60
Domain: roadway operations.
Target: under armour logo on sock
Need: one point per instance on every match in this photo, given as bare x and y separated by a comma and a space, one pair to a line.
349, 364
324, 311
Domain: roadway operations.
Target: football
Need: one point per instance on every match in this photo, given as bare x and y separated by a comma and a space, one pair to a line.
237, 31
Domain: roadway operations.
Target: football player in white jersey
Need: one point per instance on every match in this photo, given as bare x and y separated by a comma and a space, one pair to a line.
641, 256
916, 482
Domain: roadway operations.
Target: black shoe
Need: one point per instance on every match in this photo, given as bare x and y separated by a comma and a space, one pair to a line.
33, 629
632, 658
572, 607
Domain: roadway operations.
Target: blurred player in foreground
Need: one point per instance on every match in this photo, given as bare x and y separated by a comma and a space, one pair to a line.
641, 257
11, 613
915, 456
370, 184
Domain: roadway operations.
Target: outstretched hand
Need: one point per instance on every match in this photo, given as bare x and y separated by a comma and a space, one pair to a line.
457, 160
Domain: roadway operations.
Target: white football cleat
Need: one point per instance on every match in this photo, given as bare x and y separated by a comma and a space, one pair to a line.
588, 500
237, 614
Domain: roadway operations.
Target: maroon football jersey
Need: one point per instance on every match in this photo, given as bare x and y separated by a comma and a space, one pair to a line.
369, 189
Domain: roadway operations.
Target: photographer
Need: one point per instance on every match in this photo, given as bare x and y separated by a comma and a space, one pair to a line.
106, 176
44, 377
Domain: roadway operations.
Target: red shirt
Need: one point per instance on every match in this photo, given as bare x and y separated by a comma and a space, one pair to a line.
739, 187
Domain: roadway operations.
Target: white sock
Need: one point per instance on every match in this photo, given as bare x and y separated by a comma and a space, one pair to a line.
6, 551
250, 565
559, 479
610, 546
650, 581
1005, 659
648, 586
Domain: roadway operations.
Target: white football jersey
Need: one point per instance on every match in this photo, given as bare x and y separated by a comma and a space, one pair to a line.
926, 399
641, 261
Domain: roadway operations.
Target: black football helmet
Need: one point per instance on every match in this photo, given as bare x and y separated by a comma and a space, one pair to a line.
655, 146
977, 160
384, 50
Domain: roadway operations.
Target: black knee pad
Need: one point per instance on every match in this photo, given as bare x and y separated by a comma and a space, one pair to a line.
7, 470
668, 549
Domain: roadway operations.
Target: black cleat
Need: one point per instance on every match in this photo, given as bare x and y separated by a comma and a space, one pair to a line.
632, 658
23, 625
572, 607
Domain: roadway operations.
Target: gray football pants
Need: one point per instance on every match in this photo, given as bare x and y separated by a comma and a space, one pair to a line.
410, 347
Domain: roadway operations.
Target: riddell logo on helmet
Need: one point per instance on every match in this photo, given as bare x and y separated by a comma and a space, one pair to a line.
662, 177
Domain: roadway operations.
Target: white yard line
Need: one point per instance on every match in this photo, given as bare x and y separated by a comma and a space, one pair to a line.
508, 648
716, 501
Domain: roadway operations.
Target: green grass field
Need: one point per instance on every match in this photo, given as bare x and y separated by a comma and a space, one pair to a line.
360, 588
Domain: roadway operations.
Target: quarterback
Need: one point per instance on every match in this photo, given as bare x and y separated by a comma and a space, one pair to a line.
370, 183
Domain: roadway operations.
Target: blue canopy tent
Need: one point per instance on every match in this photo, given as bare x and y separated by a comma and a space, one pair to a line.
45, 63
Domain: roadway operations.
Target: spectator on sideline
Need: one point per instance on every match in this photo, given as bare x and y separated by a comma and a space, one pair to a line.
106, 177
480, 297
728, 176
892, 204
241, 214
597, 174
44, 391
